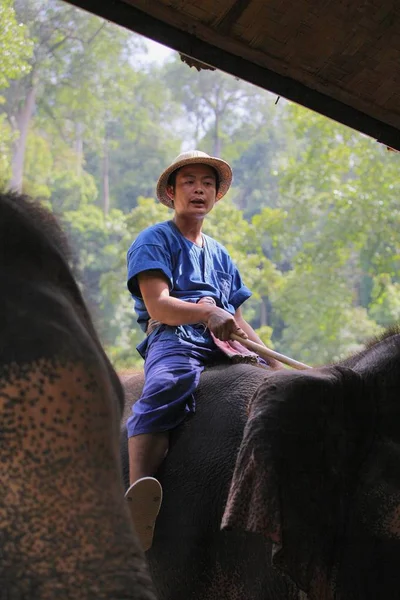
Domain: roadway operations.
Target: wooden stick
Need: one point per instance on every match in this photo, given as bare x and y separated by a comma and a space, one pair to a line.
266, 353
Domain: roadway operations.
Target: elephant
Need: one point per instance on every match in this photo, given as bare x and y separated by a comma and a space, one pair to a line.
283, 484
190, 557
65, 529
318, 475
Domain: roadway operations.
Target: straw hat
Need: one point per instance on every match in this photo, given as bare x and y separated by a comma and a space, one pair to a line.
187, 158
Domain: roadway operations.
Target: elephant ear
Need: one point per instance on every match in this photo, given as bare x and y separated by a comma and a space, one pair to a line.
306, 436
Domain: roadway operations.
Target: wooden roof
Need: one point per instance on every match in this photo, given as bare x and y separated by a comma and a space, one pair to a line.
338, 57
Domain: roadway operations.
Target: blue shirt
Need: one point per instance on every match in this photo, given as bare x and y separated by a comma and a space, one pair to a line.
192, 272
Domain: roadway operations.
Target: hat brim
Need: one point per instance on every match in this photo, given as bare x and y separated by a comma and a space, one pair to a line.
223, 169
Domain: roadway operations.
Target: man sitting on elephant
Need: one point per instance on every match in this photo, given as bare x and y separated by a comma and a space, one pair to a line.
188, 294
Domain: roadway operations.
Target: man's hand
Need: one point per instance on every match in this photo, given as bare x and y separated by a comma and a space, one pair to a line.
222, 324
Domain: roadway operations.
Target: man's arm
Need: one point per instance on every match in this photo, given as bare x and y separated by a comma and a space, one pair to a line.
251, 334
172, 311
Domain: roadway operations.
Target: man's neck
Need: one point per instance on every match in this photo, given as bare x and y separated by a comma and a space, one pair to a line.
190, 229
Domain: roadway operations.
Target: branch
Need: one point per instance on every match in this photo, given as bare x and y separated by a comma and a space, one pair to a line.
210, 103
90, 40
60, 43
74, 37
48, 110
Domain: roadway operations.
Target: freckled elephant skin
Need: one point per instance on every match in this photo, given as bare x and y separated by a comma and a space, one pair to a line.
191, 558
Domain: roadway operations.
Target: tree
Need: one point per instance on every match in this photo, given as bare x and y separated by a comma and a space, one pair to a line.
139, 144
16, 46
214, 103
64, 82
333, 186
14, 63
262, 143
96, 238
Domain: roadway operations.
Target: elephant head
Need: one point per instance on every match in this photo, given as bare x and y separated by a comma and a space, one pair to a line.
65, 530
318, 475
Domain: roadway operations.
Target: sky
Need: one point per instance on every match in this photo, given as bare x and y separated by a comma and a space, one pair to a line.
157, 52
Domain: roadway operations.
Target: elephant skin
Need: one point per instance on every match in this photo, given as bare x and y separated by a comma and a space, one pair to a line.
65, 529
318, 475
191, 558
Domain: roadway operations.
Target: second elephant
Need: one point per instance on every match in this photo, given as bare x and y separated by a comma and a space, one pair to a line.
191, 557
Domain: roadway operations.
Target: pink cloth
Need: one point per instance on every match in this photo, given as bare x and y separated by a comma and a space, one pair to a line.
235, 351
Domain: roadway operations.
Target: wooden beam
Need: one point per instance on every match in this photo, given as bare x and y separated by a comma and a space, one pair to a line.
225, 23
245, 68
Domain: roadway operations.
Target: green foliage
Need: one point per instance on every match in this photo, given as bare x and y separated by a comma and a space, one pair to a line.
71, 191
265, 335
38, 166
244, 241
385, 301
6, 139
96, 239
15, 44
215, 105
332, 188
320, 322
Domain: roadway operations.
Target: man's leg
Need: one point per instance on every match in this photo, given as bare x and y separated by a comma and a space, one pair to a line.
172, 373
146, 453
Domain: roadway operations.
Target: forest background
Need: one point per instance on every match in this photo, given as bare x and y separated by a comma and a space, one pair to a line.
87, 124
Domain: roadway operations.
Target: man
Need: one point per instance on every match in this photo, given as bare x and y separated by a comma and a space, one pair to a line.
186, 290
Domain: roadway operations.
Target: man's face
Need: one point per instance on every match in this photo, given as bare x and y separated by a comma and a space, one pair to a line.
195, 191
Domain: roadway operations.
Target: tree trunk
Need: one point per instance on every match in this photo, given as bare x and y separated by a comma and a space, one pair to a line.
263, 312
106, 180
217, 139
79, 148
217, 112
23, 120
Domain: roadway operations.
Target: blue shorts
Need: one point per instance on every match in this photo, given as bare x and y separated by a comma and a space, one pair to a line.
172, 368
